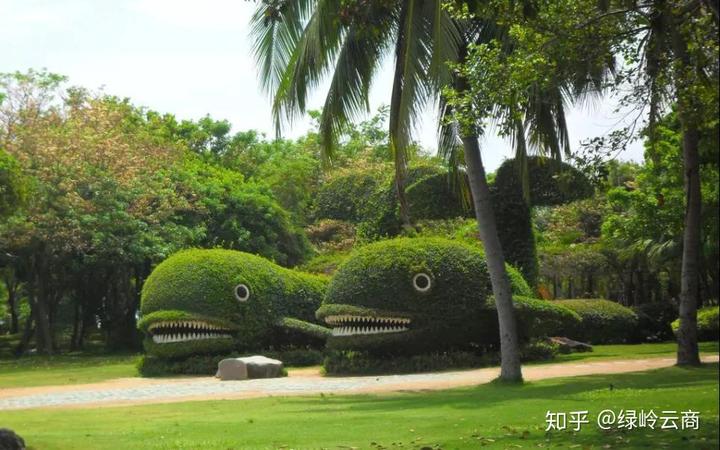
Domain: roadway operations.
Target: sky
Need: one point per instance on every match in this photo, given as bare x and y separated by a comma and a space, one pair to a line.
193, 58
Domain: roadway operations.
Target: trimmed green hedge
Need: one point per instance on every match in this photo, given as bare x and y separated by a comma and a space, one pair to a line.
432, 198
200, 284
708, 323
367, 197
344, 196
551, 183
352, 362
603, 321
152, 366
376, 280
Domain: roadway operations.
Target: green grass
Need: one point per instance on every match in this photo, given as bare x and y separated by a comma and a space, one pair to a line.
77, 369
633, 351
64, 369
489, 416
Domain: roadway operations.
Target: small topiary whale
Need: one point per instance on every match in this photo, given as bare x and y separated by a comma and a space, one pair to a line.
213, 301
413, 295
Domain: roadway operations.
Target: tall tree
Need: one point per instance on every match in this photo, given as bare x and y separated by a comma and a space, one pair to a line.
670, 54
299, 42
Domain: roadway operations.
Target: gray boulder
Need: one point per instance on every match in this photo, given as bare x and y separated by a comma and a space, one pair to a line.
249, 367
567, 345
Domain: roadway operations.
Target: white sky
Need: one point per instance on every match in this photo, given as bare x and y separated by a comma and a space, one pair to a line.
191, 58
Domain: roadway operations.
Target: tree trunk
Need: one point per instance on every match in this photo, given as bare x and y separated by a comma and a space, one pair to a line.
690, 114
13, 288
510, 367
26, 336
688, 353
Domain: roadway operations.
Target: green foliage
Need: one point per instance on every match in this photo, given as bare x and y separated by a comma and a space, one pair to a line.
325, 264
708, 323
329, 235
432, 197
207, 364
550, 183
12, 186
363, 363
377, 281
542, 318
654, 321
238, 215
603, 321
344, 195
539, 350
200, 284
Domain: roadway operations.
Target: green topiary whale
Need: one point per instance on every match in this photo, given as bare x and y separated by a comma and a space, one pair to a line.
213, 301
412, 295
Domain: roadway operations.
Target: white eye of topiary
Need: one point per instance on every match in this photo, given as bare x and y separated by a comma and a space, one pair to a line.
242, 292
422, 282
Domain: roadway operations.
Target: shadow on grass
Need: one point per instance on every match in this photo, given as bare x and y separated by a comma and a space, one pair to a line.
494, 393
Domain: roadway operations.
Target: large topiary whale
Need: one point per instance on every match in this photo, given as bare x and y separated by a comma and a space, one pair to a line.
213, 301
413, 295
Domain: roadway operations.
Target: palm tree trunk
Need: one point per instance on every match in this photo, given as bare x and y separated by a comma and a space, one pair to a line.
688, 108
687, 353
510, 367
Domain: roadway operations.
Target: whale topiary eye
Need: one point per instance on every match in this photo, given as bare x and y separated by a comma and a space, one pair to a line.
242, 292
422, 282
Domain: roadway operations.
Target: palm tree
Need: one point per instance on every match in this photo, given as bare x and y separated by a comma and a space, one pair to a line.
298, 43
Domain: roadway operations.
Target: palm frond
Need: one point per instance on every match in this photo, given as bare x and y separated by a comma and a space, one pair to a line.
347, 97
276, 29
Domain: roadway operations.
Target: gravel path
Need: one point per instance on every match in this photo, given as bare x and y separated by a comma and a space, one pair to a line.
302, 382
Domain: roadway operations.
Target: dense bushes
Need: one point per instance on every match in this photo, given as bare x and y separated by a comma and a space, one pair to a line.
345, 195
350, 362
12, 187
367, 197
708, 323
377, 281
654, 321
152, 366
536, 319
603, 321
432, 198
200, 284
550, 183
239, 215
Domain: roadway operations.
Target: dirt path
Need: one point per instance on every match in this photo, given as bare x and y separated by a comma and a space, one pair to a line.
133, 391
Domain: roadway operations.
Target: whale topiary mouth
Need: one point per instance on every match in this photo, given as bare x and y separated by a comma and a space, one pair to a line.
166, 332
353, 325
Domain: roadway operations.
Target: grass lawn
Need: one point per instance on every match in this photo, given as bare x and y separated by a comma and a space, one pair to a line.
489, 416
64, 369
77, 369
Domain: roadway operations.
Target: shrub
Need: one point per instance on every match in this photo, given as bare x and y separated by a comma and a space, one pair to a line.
603, 321
432, 198
550, 183
152, 366
239, 215
654, 321
377, 280
200, 284
708, 323
325, 264
536, 319
331, 235
364, 363
344, 196
539, 350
